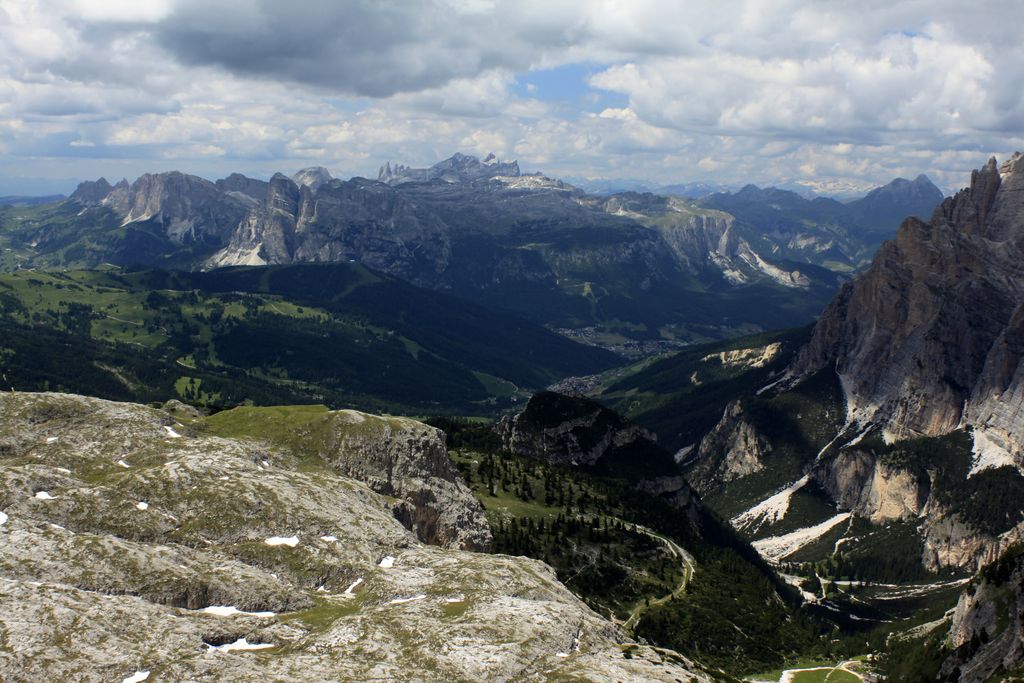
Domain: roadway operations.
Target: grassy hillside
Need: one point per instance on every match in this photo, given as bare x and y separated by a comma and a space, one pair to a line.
681, 396
336, 334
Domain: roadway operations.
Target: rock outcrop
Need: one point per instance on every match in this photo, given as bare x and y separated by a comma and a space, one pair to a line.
408, 460
569, 431
135, 545
733, 449
986, 630
928, 339
858, 482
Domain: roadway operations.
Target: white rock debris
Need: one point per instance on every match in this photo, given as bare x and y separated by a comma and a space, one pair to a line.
776, 548
772, 509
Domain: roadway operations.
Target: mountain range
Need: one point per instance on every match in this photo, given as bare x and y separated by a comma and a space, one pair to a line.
631, 266
848, 486
883, 446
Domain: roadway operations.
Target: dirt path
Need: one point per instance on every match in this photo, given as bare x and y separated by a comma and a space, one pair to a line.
689, 567
122, 320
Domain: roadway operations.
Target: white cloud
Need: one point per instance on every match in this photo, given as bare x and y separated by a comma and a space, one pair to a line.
751, 90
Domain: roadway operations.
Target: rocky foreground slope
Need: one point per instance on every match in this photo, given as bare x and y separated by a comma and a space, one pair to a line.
137, 545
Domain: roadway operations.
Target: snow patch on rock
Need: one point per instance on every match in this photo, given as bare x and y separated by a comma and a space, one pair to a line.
231, 610
290, 541
399, 601
241, 644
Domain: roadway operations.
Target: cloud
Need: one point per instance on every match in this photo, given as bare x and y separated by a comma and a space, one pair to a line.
767, 91
362, 47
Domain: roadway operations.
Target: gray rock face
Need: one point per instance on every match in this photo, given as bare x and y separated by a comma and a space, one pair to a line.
313, 177
859, 483
986, 631
949, 543
733, 449
91, 192
408, 460
342, 221
254, 189
188, 208
120, 526
928, 338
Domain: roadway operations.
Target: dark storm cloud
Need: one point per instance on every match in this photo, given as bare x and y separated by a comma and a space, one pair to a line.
365, 47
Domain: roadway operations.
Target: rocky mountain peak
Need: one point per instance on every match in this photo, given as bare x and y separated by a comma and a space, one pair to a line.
91, 192
891, 203
927, 339
459, 168
187, 207
312, 177
240, 184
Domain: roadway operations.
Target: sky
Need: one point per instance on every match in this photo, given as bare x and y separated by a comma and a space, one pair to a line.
842, 95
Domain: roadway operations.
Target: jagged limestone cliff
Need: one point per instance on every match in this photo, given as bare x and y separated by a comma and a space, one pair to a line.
928, 339
925, 344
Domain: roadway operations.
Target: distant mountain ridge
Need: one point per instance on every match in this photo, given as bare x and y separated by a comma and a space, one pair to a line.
823, 230
632, 265
460, 168
30, 200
